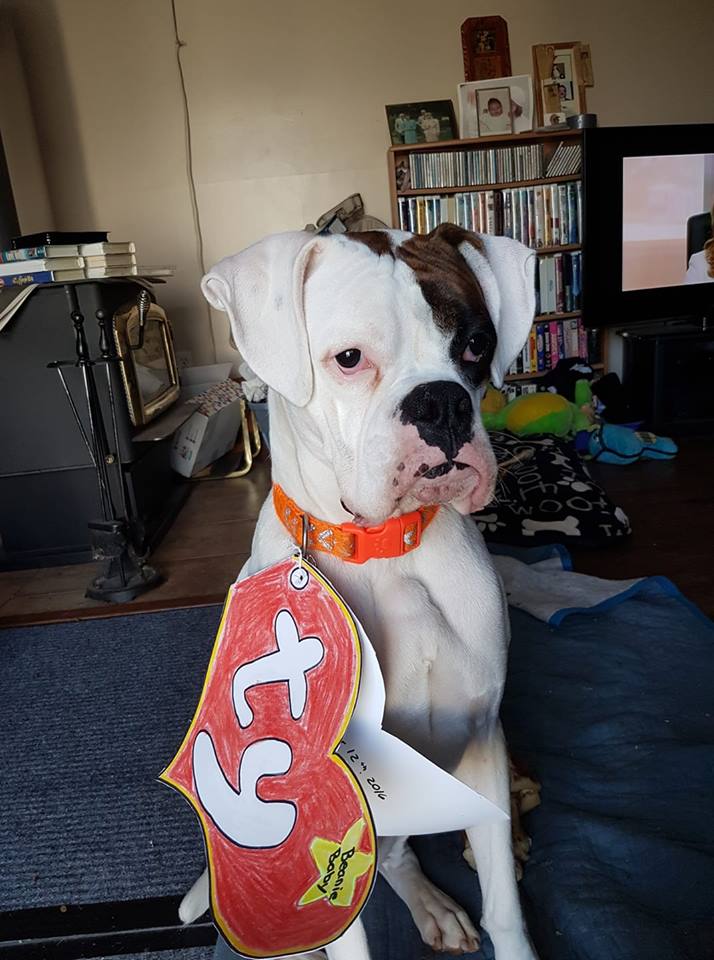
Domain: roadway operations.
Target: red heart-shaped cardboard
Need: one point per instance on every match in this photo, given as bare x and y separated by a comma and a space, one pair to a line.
282, 880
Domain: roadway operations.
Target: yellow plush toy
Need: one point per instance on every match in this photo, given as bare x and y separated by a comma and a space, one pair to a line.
493, 400
535, 413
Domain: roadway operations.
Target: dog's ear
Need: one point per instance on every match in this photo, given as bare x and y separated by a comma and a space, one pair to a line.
505, 269
261, 290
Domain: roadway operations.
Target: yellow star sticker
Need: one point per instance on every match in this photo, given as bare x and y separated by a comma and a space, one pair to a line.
340, 864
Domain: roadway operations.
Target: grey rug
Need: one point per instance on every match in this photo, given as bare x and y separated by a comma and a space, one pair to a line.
91, 711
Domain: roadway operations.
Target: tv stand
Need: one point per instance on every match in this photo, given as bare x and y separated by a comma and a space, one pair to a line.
669, 368
668, 325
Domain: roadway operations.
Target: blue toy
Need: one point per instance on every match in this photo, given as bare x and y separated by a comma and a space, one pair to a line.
613, 443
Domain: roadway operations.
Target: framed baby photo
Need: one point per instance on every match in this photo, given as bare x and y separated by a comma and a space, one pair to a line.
425, 122
559, 84
494, 111
521, 109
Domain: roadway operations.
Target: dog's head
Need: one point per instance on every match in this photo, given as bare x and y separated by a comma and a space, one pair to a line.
379, 344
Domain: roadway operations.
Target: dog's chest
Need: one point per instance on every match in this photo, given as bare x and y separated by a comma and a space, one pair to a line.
436, 620
439, 654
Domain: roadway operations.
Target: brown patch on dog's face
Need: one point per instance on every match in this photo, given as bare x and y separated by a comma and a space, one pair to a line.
451, 289
445, 278
377, 241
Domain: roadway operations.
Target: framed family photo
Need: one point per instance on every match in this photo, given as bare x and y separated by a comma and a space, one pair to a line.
520, 110
559, 83
425, 122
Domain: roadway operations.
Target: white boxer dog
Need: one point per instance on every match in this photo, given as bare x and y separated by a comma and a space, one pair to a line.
376, 348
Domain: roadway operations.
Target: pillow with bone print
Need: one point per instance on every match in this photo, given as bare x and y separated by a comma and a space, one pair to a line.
546, 495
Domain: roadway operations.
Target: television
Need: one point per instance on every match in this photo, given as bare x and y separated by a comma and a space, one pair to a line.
649, 194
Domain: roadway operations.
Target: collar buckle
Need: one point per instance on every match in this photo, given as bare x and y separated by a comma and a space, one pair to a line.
393, 538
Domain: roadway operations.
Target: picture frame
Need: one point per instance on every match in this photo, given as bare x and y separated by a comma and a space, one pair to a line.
558, 78
494, 111
402, 175
148, 371
427, 121
487, 54
521, 91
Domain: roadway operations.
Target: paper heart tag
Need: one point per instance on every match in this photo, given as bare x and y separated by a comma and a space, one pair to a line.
290, 840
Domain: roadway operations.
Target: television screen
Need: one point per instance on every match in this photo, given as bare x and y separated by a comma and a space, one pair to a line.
667, 212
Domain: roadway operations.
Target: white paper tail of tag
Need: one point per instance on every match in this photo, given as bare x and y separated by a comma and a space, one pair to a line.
407, 793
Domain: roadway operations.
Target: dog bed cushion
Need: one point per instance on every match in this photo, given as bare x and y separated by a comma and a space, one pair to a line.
547, 497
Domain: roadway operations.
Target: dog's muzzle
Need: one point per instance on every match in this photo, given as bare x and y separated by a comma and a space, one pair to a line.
442, 413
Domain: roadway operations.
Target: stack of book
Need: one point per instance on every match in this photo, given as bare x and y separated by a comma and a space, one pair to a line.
109, 259
547, 215
41, 264
52, 262
46, 258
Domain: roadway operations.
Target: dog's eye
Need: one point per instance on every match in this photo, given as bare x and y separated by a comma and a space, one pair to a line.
475, 350
349, 359
352, 361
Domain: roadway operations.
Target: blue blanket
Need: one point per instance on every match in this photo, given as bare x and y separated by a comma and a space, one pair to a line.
612, 711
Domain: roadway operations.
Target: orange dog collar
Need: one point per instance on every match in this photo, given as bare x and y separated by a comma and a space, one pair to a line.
348, 541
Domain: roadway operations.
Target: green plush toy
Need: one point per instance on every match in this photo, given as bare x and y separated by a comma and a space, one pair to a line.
543, 413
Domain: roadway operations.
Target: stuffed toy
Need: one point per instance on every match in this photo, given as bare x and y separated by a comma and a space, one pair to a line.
493, 400
616, 443
541, 413
613, 443
551, 413
564, 376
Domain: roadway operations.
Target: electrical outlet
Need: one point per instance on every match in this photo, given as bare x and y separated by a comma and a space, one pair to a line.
184, 358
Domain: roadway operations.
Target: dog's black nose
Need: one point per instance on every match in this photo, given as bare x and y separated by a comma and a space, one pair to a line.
442, 412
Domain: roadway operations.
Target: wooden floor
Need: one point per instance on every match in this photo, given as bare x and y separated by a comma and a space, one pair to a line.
670, 505
671, 509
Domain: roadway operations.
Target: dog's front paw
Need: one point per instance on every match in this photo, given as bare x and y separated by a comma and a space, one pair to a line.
442, 923
196, 901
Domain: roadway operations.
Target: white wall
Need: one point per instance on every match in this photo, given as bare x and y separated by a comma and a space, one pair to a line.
287, 106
